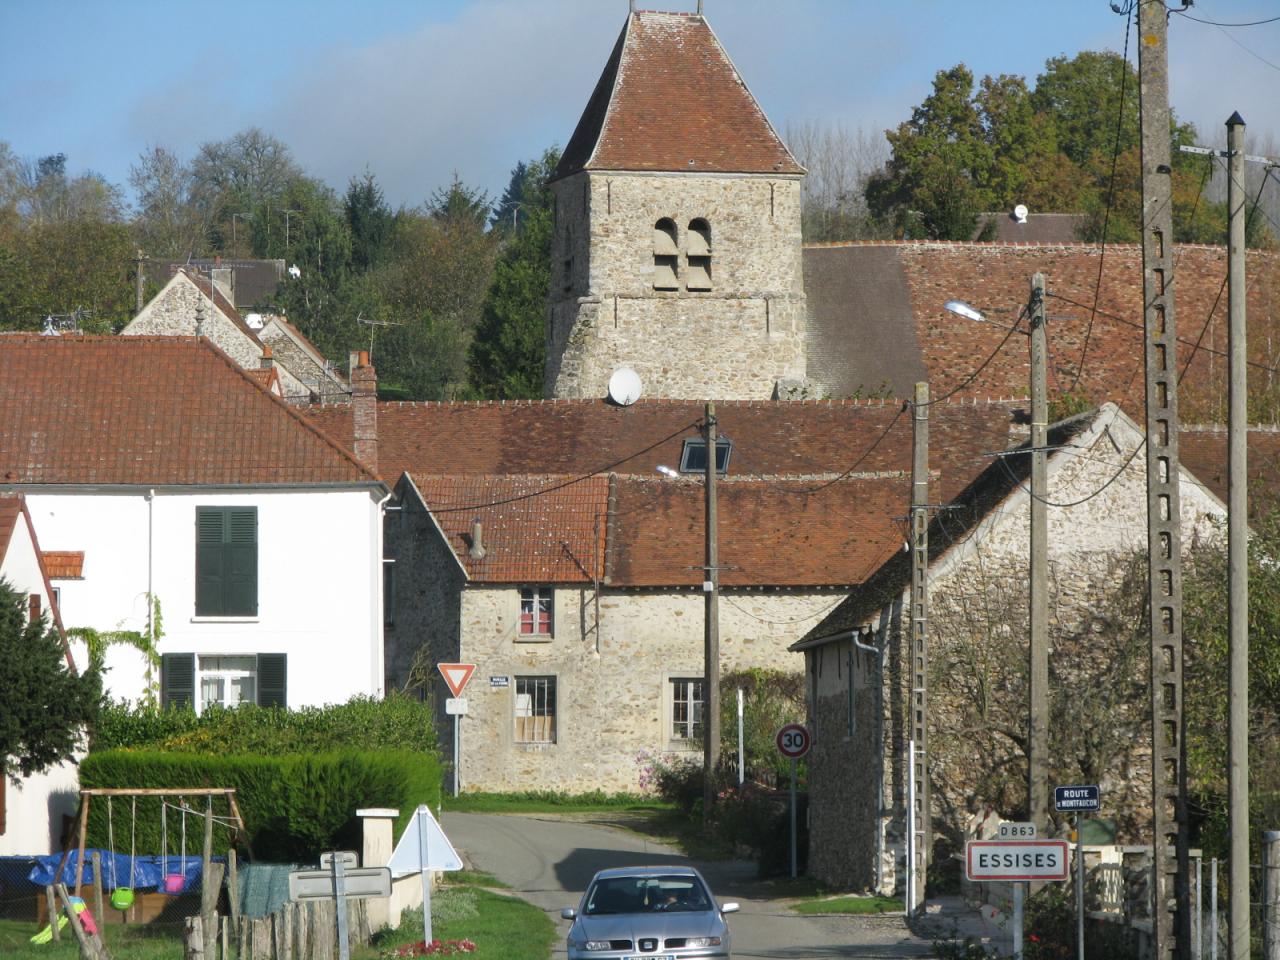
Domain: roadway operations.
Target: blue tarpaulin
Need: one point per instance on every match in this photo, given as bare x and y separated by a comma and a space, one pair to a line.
148, 872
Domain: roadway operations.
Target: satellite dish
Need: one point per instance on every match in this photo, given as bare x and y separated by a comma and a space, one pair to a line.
1020, 213
294, 272
254, 321
624, 387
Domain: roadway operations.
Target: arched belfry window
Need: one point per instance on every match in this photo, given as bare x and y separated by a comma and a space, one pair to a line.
699, 255
666, 255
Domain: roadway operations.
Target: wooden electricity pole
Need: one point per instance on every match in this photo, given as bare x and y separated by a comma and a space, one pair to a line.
711, 621
1038, 620
1171, 916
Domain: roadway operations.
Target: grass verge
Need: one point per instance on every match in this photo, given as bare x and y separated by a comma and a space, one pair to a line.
501, 927
134, 941
849, 904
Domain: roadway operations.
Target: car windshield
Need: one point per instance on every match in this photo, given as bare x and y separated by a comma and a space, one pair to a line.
675, 893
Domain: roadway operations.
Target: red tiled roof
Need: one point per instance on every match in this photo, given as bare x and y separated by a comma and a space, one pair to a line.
1203, 451
151, 410
10, 511
779, 533
63, 564
536, 529
576, 437
995, 277
670, 99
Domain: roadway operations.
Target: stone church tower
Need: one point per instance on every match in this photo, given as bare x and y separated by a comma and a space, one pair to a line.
677, 228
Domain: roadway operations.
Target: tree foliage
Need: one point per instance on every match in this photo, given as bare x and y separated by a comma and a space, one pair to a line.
508, 353
46, 707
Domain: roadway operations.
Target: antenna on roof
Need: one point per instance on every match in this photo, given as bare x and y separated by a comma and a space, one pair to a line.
373, 327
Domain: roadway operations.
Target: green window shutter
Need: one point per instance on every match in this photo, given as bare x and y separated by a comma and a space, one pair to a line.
273, 680
226, 561
241, 591
178, 680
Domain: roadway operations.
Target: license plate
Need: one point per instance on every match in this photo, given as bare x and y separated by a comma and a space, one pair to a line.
653, 956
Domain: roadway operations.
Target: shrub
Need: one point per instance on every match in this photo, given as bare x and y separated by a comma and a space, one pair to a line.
365, 723
772, 699
294, 805
674, 778
757, 817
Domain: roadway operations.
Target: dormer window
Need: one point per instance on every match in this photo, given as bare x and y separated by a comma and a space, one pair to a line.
694, 457
698, 255
666, 255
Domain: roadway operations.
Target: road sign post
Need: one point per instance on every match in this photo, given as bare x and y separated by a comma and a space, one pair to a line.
339, 879
456, 676
794, 741
423, 847
1082, 798
1016, 861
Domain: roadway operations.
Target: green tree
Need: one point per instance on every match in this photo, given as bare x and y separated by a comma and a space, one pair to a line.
169, 220
1205, 684
508, 353
936, 181
369, 220
47, 708
1081, 95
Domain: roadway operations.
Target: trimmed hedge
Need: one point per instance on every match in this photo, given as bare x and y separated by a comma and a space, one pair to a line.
360, 723
295, 806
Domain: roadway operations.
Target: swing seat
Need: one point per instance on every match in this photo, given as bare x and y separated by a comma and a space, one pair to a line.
122, 898
174, 882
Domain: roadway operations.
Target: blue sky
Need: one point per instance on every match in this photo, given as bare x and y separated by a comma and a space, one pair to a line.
415, 91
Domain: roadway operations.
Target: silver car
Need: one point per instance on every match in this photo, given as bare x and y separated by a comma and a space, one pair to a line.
648, 913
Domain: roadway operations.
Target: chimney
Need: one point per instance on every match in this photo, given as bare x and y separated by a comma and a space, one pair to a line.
353, 361
364, 410
477, 550
267, 361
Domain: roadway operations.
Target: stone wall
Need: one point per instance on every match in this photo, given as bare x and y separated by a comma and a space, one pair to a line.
735, 340
172, 313
311, 376
613, 678
977, 649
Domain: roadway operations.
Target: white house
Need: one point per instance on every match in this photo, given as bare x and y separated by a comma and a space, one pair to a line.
33, 813
179, 478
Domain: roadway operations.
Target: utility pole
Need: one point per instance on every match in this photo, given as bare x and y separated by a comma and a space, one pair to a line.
922, 822
711, 621
137, 282
1171, 914
1038, 646
1237, 551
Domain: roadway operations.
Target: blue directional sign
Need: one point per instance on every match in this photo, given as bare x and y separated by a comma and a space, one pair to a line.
1081, 799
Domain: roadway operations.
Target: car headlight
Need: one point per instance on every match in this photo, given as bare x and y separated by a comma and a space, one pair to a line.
702, 942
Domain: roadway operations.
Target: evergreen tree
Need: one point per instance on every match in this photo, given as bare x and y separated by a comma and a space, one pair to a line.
369, 221
45, 708
509, 351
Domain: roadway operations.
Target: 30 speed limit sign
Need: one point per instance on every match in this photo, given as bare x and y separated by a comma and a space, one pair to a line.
794, 740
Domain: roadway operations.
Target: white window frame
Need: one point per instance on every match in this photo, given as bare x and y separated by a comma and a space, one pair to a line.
225, 673
695, 710
536, 593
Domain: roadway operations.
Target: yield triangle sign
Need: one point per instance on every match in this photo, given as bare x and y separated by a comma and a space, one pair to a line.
423, 847
456, 675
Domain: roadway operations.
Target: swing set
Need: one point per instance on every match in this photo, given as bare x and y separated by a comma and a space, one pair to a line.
122, 895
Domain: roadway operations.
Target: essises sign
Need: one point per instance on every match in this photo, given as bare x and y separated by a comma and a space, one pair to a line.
1016, 859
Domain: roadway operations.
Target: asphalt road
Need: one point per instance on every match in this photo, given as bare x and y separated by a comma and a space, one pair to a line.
549, 861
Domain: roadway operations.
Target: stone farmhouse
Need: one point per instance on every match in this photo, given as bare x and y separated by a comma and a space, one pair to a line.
539, 541
275, 351
32, 811
190, 506
858, 659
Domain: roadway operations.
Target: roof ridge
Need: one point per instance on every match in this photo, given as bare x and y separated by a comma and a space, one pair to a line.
287, 408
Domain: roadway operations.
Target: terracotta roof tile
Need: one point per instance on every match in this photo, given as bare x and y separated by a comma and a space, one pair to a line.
64, 564
536, 529
995, 277
10, 511
1203, 451
576, 437
777, 533
151, 410
670, 99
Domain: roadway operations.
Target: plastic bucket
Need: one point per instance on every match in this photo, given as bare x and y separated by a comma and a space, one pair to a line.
174, 882
122, 898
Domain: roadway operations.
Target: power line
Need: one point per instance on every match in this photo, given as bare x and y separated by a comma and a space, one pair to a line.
1111, 193
982, 366
1072, 503
568, 483
1251, 53
1218, 23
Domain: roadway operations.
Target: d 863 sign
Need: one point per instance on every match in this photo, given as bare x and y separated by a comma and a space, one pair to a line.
1016, 859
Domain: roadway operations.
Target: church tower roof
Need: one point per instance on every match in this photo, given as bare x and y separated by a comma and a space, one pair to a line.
670, 99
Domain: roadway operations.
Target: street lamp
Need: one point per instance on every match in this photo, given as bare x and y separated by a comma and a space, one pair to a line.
1038, 722
666, 471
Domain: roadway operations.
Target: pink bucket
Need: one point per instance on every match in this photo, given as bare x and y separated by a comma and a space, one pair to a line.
174, 883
